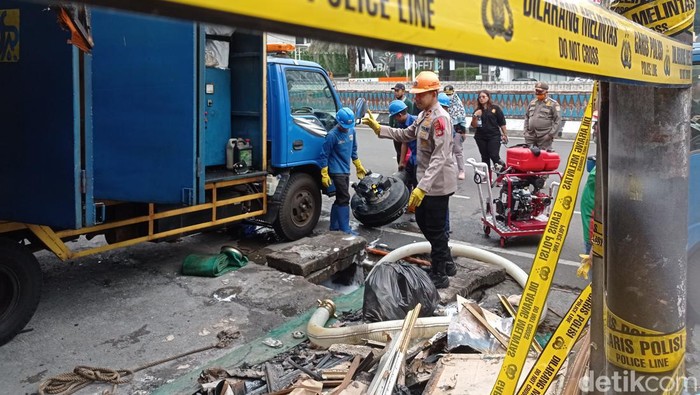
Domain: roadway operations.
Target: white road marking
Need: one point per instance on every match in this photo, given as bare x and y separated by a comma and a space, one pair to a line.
487, 248
461, 197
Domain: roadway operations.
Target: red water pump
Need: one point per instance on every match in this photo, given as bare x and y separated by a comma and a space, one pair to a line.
522, 202
522, 159
521, 206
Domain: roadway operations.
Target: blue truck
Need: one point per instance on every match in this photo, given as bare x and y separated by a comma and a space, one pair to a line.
145, 138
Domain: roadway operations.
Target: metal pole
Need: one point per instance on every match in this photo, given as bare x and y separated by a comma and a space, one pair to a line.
413, 67
646, 224
597, 365
647, 220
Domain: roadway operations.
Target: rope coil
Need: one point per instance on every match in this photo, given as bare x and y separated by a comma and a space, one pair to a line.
82, 376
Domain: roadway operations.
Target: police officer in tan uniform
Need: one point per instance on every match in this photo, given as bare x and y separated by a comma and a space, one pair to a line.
436, 171
542, 119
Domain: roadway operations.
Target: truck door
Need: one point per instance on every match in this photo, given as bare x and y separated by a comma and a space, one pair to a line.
44, 121
311, 107
147, 73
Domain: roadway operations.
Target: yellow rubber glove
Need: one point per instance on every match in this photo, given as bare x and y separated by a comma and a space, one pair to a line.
416, 199
361, 172
371, 122
325, 178
585, 266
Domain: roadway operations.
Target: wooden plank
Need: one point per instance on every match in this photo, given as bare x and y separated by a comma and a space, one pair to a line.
272, 377
348, 378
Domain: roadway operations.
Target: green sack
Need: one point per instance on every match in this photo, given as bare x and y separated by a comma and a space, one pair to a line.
214, 265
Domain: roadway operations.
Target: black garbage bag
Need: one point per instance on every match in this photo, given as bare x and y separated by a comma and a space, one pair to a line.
394, 289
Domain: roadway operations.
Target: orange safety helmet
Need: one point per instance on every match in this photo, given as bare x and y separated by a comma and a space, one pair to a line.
425, 81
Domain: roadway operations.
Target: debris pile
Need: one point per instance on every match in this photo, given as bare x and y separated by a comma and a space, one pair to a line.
408, 337
464, 358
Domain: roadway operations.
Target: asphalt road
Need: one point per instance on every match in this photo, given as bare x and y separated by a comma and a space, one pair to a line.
378, 155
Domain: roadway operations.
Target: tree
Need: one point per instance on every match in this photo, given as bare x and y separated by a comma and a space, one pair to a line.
331, 55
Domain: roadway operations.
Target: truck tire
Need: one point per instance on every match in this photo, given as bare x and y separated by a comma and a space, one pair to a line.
300, 209
20, 288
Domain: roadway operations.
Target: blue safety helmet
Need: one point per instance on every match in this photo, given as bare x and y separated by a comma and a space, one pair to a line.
396, 107
443, 99
345, 117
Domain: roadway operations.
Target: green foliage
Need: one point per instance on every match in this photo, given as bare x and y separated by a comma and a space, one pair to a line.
336, 63
376, 74
464, 74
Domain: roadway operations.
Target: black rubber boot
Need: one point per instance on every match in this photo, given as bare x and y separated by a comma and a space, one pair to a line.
451, 269
438, 276
440, 281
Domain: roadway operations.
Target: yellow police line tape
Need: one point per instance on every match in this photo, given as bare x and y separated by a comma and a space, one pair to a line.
669, 17
545, 370
598, 240
545, 262
633, 347
579, 37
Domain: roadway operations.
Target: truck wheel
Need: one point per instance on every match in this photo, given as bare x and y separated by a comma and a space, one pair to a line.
20, 288
301, 207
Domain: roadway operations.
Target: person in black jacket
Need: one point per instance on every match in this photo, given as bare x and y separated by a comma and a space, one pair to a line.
490, 124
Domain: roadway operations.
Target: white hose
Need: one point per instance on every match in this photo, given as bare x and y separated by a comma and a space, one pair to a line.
425, 327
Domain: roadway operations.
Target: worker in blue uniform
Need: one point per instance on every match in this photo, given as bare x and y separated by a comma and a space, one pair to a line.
339, 149
399, 114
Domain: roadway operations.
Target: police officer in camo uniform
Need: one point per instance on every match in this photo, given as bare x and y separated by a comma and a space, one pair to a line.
437, 171
542, 119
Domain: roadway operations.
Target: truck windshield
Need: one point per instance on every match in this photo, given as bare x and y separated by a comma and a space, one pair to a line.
309, 93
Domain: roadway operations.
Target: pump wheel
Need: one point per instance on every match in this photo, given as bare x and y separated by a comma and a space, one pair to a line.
487, 230
301, 207
20, 288
502, 242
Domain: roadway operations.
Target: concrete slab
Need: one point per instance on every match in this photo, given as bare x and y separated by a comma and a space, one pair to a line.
471, 275
310, 254
327, 272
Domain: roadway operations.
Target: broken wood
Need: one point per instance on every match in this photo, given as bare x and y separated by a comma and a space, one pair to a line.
272, 377
365, 365
348, 377
392, 362
511, 310
350, 349
579, 367
478, 314
417, 261
310, 372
